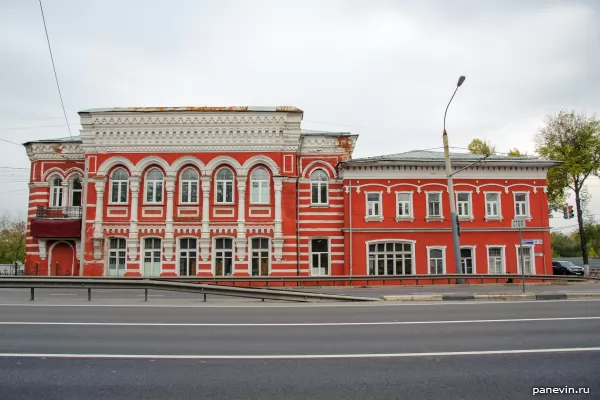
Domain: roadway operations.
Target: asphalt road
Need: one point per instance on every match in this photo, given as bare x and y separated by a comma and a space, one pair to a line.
468, 351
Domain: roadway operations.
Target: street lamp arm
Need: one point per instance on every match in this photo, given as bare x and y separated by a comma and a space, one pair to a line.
446, 112
470, 165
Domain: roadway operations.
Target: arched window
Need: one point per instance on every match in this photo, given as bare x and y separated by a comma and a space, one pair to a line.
189, 186
154, 186
224, 183
319, 187
56, 193
76, 189
259, 191
118, 186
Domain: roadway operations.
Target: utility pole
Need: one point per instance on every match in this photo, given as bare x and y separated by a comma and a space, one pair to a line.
452, 200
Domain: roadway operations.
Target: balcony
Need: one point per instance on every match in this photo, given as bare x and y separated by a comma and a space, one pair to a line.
56, 222
58, 212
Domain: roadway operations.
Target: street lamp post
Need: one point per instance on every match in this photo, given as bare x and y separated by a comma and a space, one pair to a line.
452, 201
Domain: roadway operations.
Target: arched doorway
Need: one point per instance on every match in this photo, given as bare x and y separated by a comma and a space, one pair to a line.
62, 259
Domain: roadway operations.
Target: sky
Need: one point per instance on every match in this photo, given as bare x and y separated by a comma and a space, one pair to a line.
382, 69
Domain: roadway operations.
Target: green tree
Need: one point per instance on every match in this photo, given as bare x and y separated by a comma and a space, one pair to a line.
514, 153
478, 146
574, 140
564, 246
12, 240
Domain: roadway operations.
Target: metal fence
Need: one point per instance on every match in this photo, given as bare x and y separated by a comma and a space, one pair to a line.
58, 212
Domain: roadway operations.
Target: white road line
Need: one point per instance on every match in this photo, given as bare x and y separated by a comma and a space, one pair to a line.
305, 305
63, 294
192, 324
300, 356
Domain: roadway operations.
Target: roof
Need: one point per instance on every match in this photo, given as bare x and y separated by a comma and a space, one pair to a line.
76, 138
194, 109
438, 156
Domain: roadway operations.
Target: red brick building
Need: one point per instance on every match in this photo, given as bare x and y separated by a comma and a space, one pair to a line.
246, 191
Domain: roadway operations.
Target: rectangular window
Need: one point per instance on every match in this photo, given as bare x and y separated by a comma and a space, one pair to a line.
188, 256
154, 191
76, 198
116, 257
404, 205
152, 256
319, 254
260, 256
467, 260
390, 258
224, 192
492, 204
463, 202
318, 192
495, 260
223, 257
436, 261
527, 259
56, 196
259, 193
373, 204
434, 204
521, 204
118, 192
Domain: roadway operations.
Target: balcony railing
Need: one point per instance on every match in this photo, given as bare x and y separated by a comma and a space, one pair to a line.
58, 212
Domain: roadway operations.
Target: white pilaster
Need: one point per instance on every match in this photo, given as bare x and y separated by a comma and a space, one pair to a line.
204, 241
169, 242
240, 242
132, 241
99, 186
65, 193
278, 233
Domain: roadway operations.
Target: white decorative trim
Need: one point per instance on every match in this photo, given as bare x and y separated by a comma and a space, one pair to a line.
473, 255
113, 162
487, 254
151, 229
150, 215
182, 208
240, 245
97, 243
259, 229
111, 212
443, 248
220, 161
188, 229
285, 157
277, 249
253, 209
55, 151
223, 229
324, 165
260, 160
230, 214
42, 248
532, 252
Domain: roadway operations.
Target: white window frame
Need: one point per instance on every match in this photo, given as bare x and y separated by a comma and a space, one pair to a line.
394, 241
214, 255
56, 192
180, 250
115, 252
310, 266
319, 184
473, 249
527, 205
120, 187
469, 204
410, 215
487, 254
189, 183
224, 183
498, 204
251, 255
443, 249
264, 185
434, 217
143, 254
154, 183
72, 190
532, 250
374, 205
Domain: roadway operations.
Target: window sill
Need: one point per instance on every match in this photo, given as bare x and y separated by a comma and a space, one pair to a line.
465, 218
499, 218
319, 205
223, 204
434, 219
118, 204
525, 217
405, 219
153, 204
260, 204
374, 218
188, 204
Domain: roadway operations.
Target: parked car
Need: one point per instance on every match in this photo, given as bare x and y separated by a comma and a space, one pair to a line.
566, 268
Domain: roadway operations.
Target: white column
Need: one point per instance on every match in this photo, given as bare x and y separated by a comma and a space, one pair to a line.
99, 185
205, 236
169, 237
132, 241
65, 193
278, 233
241, 230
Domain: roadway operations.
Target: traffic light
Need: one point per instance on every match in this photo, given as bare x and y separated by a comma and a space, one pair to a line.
458, 225
571, 212
565, 211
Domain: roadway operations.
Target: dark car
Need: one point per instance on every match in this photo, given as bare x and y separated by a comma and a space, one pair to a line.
566, 268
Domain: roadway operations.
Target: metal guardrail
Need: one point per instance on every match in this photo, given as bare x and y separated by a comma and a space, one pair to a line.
150, 284
347, 280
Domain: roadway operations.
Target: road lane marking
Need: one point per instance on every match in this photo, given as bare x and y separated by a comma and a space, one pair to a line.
304, 305
192, 324
63, 294
299, 356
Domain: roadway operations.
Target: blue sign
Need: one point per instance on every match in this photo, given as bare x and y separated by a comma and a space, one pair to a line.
530, 242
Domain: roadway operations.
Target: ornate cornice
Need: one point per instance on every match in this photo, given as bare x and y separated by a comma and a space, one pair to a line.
54, 151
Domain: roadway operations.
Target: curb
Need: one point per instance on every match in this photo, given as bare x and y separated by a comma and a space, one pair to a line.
491, 296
